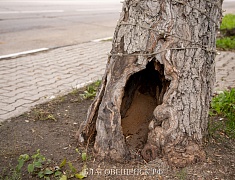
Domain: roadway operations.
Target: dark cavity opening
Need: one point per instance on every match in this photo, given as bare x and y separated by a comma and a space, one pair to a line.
143, 93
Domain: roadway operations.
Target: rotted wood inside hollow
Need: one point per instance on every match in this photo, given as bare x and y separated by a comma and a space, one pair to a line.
143, 92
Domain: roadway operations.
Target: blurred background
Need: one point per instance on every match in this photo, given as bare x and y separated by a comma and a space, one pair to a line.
34, 24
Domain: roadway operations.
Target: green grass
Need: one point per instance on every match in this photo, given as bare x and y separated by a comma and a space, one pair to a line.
223, 105
228, 22
226, 43
182, 174
91, 90
227, 40
40, 114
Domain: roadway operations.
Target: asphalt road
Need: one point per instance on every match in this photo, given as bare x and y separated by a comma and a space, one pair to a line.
34, 24
229, 6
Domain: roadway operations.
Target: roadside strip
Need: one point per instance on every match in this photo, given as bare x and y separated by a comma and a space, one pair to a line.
23, 53
31, 12
46, 49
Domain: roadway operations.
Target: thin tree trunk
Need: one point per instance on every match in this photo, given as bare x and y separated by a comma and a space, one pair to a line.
158, 82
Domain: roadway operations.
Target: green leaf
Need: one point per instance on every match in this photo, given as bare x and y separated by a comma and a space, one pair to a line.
30, 168
51, 117
25, 157
72, 168
47, 178
41, 174
58, 173
48, 161
79, 176
62, 164
20, 164
36, 155
63, 177
83, 173
48, 171
84, 156
37, 164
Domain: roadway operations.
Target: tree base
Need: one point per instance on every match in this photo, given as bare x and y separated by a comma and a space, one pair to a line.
176, 155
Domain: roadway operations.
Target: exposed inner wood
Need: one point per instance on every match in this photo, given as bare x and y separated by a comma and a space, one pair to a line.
143, 92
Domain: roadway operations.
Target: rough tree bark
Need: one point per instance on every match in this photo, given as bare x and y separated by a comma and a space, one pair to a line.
158, 83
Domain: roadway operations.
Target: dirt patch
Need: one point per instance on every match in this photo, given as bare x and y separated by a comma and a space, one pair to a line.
143, 93
51, 127
135, 124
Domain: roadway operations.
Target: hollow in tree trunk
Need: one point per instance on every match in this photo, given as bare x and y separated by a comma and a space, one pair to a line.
155, 94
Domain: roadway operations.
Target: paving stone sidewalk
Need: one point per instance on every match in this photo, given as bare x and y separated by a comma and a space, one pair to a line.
34, 79
225, 70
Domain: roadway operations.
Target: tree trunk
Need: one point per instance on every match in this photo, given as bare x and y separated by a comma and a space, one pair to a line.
158, 83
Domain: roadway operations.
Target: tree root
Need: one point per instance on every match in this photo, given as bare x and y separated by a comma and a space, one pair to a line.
150, 152
183, 156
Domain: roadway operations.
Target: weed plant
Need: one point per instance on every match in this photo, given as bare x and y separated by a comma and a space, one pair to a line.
41, 167
223, 105
91, 90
